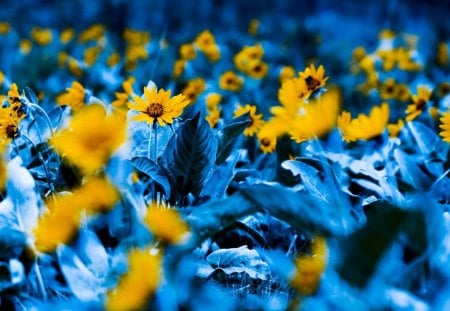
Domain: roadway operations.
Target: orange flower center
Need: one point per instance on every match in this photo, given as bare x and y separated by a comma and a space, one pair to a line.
11, 131
155, 110
265, 142
312, 83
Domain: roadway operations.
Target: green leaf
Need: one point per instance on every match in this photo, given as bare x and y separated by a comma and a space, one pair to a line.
188, 160
152, 169
227, 139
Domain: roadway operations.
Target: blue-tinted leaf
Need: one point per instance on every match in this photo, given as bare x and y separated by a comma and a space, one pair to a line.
84, 285
218, 183
29, 93
227, 137
239, 260
410, 171
300, 209
92, 253
152, 169
189, 158
426, 140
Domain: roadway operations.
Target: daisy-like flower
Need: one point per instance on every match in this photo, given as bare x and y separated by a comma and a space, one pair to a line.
388, 89
230, 81
419, 103
122, 98
314, 78
293, 92
364, 127
166, 224
138, 285
73, 97
256, 120
445, 126
257, 69
194, 88
213, 116
158, 106
91, 138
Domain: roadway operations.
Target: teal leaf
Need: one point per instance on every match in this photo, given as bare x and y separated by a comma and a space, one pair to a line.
299, 209
189, 158
227, 138
152, 169
217, 185
29, 93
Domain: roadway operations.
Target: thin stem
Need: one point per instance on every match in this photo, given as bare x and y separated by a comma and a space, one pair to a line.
149, 142
155, 127
40, 280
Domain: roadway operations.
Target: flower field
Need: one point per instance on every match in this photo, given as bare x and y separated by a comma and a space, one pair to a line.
276, 155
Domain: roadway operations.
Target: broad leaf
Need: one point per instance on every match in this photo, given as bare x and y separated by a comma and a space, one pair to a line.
227, 138
152, 169
188, 160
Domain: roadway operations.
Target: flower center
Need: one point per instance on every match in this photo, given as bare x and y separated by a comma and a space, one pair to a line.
11, 131
265, 141
155, 110
312, 83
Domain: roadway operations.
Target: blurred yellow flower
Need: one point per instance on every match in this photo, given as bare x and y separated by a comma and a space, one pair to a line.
92, 33
213, 100
122, 98
257, 69
158, 106
25, 46
213, 116
137, 286
91, 138
286, 73
178, 67
314, 78
445, 126
4, 28
364, 127
91, 55
166, 224
309, 268
187, 51
193, 89
97, 195
256, 121
230, 81
66, 35
388, 89
42, 36
395, 128
419, 102
73, 97
253, 27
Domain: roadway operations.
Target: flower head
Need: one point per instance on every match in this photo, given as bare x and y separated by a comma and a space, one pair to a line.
314, 78
419, 102
73, 97
256, 121
158, 106
445, 126
91, 138
230, 81
138, 285
364, 127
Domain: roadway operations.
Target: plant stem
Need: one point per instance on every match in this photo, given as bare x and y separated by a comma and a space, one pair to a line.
149, 142
40, 280
155, 127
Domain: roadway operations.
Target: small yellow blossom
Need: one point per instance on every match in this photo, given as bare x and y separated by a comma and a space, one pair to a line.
138, 285
389, 89
286, 73
230, 81
113, 59
314, 78
178, 67
364, 127
309, 269
442, 54
187, 51
4, 28
66, 35
42, 36
91, 138
395, 128
92, 33
122, 98
253, 27
257, 69
419, 102
74, 67
194, 88
246, 55
73, 97
256, 121
136, 37
91, 55
205, 40
158, 106
25, 46
445, 126
213, 116
166, 224
213, 100
269, 133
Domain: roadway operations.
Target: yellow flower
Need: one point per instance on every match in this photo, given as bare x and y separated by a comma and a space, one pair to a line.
58, 224
286, 73
445, 126
419, 102
9, 126
97, 195
25, 46
246, 55
213, 116
42, 36
178, 67
91, 55
4, 28
314, 79
293, 92
253, 27
205, 40
92, 33
66, 35
158, 106
317, 118
113, 59
136, 37
395, 128
364, 127
74, 67
257, 69
3, 169
309, 269
166, 224
138, 285
212, 53
122, 98
389, 89
91, 138
256, 121
230, 81
193, 89
442, 54
268, 134
187, 51
73, 97
403, 93
213, 100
